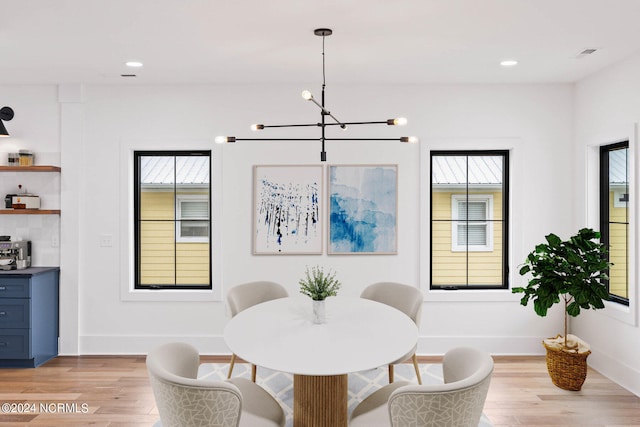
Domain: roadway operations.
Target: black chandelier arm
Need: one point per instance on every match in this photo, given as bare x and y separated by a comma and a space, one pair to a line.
276, 139
401, 139
380, 122
377, 122
326, 112
292, 126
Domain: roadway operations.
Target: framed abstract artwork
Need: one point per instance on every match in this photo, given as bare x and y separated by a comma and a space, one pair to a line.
363, 202
286, 209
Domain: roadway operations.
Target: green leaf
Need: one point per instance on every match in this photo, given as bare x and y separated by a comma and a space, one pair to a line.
573, 309
553, 240
540, 308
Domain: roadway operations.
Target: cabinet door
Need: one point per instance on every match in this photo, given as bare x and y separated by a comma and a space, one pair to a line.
14, 313
15, 343
12, 287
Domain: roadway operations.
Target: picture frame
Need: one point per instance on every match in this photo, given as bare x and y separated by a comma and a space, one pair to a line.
363, 209
287, 209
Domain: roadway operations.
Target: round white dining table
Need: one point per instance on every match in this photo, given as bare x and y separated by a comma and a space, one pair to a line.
358, 335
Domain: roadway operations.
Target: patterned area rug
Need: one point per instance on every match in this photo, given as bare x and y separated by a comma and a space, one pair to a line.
361, 384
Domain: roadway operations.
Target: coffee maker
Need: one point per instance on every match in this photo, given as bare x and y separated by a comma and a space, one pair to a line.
15, 255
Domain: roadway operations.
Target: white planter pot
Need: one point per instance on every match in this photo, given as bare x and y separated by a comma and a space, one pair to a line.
319, 314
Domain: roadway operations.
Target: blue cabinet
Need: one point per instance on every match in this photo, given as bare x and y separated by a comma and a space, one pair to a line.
28, 316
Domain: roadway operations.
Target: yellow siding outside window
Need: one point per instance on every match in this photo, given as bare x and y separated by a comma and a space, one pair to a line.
452, 268
163, 261
618, 249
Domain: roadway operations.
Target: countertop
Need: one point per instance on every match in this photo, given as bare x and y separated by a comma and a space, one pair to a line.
31, 271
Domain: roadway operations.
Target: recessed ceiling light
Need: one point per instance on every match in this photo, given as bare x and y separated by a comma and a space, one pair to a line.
135, 64
509, 63
586, 52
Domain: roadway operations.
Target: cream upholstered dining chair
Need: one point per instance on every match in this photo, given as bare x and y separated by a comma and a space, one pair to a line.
185, 401
241, 297
456, 403
407, 299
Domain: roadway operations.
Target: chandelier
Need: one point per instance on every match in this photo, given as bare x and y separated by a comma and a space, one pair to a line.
324, 114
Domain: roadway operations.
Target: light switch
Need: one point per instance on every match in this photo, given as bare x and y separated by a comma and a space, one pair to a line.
106, 240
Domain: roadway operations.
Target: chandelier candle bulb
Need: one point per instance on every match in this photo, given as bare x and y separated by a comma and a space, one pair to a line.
257, 127
409, 139
225, 139
400, 121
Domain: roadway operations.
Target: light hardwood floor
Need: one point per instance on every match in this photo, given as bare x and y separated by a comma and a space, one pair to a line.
115, 391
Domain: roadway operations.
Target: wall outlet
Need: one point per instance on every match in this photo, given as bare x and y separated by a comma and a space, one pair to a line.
55, 241
106, 240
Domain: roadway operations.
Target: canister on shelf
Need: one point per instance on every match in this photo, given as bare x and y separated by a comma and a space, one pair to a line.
26, 157
13, 159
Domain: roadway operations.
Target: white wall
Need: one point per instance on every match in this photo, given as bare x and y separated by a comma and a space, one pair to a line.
607, 107
535, 122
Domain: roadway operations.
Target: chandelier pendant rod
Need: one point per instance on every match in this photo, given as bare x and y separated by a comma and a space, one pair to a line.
323, 111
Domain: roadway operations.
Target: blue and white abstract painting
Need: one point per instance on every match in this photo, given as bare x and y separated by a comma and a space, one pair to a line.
287, 210
363, 209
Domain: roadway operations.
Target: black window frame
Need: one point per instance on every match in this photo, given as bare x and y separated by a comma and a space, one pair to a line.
605, 213
138, 154
505, 218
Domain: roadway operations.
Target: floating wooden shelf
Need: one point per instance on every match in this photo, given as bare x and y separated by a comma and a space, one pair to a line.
29, 211
29, 168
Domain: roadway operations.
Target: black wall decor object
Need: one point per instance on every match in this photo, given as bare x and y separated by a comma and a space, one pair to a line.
6, 114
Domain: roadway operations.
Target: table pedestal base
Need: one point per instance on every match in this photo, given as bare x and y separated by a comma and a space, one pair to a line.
320, 401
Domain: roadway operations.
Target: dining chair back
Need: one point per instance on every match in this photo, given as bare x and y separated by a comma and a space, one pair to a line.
185, 401
407, 299
458, 401
241, 297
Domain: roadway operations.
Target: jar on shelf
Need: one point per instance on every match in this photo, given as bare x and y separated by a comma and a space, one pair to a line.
13, 159
26, 157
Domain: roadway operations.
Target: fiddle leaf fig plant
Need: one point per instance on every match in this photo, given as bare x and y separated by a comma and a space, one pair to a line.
319, 285
572, 271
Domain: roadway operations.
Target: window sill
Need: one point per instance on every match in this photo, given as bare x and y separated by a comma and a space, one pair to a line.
620, 312
471, 295
171, 295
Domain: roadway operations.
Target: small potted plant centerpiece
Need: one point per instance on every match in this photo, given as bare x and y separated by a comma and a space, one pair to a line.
573, 272
318, 286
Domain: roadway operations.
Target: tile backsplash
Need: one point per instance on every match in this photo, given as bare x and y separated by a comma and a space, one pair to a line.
42, 230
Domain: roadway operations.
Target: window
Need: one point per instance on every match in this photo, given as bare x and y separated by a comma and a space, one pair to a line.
614, 216
469, 219
472, 222
193, 222
172, 219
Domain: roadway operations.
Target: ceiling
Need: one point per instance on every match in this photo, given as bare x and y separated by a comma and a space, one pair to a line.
258, 41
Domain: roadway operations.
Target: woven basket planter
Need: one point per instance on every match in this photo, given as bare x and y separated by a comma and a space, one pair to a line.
567, 368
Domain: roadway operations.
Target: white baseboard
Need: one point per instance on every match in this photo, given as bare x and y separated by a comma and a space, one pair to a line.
618, 372
495, 345
118, 345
